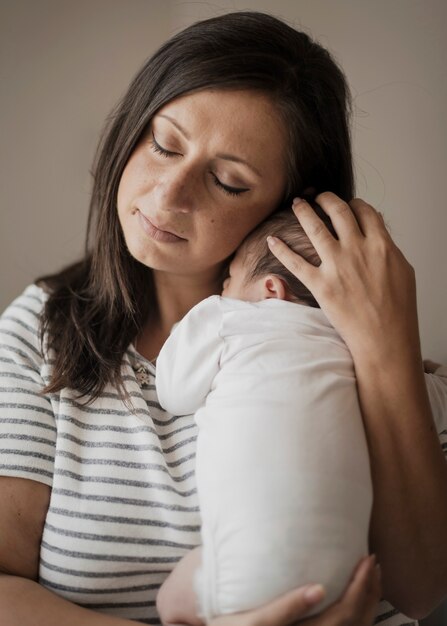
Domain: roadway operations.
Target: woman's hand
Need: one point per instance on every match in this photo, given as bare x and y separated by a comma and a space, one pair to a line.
356, 607
367, 290
364, 283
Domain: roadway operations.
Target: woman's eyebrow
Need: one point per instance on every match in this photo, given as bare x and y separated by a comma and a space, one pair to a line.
225, 157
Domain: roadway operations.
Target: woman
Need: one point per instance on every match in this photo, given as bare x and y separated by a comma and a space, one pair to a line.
228, 121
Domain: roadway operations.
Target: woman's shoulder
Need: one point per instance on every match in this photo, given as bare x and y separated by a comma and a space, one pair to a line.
31, 300
20, 325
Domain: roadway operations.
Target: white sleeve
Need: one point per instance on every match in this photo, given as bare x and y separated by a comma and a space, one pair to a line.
189, 359
437, 393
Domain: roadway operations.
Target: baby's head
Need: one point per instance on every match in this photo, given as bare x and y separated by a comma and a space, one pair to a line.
256, 274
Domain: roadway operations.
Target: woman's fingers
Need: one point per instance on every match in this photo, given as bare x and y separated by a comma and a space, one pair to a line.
350, 220
299, 267
282, 611
363, 593
317, 231
358, 605
370, 221
342, 217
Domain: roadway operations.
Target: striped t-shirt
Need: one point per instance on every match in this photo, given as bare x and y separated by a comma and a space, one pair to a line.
123, 506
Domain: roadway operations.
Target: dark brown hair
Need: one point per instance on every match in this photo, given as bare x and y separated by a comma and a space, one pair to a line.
96, 307
259, 260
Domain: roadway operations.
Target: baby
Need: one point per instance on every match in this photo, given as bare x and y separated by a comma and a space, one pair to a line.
282, 468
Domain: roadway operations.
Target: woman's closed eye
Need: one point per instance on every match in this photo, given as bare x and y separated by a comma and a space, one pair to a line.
157, 148
231, 191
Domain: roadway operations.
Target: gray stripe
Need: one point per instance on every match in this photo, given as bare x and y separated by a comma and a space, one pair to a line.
105, 427
4, 359
122, 429
17, 376
11, 420
122, 481
115, 558
17, 320
87, 574
32, 296
132, 394
175, 432
15, 437
117, 463
23, 355
120, 539
118, 605
86, 590
387, 615
35, 455
169, 421
28, 407
123, 446
35, 287
10, 333
136, 521
146, 428
132, 501
97, 411
13, 362
22, 307
28, 392
179, 445
24, 468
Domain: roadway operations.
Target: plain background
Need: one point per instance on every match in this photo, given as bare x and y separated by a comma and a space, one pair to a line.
64, 64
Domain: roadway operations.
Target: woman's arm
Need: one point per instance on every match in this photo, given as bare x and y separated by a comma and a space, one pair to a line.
357, 606
176, 601
23, 602
367, 289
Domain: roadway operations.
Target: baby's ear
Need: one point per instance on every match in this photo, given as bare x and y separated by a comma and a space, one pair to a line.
274, 287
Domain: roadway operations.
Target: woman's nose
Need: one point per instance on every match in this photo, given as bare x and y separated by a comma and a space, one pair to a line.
176, 191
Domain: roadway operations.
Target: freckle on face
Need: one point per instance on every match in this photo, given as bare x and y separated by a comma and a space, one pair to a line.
180, 193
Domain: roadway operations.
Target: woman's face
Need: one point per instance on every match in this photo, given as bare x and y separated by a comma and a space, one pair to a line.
210, 168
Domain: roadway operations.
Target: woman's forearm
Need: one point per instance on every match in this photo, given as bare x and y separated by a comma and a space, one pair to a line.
409, 517
24, 602
367, 289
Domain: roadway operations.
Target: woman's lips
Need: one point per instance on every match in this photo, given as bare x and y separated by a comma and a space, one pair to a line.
156, 233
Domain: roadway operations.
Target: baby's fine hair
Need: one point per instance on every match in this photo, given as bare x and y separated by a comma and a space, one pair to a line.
260, 261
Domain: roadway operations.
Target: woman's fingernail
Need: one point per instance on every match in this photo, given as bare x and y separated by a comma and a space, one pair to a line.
271, 241
378, 570
314, 593
297, 201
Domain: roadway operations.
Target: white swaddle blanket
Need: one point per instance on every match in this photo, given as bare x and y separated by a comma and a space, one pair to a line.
282, 466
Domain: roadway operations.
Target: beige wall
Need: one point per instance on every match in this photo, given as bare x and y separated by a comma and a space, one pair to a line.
64, 63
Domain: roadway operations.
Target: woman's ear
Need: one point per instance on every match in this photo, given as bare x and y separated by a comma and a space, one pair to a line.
274, 287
